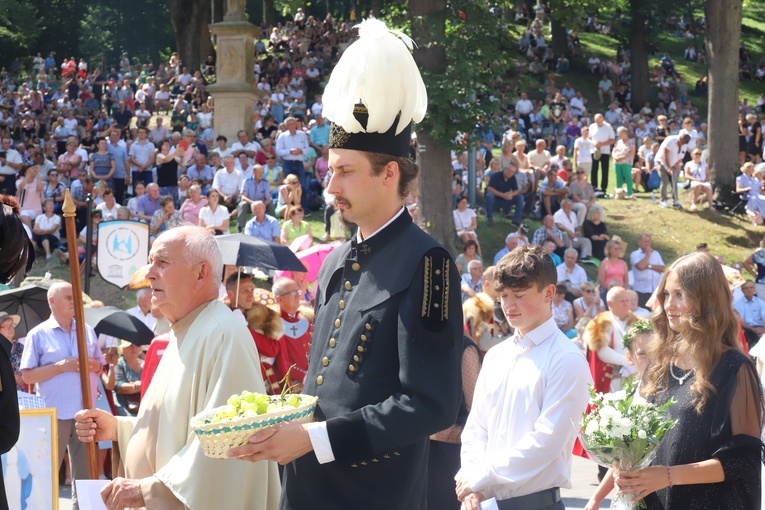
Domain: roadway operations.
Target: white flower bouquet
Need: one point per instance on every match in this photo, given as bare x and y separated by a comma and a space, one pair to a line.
622, 430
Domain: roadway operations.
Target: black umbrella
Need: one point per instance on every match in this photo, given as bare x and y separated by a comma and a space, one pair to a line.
244, 250
30, 303
110, 320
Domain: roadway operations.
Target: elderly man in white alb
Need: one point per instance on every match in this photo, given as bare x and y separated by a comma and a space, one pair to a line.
210, 357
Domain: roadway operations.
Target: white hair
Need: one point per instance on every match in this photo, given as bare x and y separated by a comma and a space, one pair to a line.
201, 246
53, 289
140, 292
280, 285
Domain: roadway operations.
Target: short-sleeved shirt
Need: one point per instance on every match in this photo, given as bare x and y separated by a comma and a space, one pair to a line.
545, 185
49, 343
502, 185
751, 312
256, 190
671, 144
120, 155
576, 277
585, 146
211, 218
268, 230
602, 134
229, 183
646, 280
146, 205
102, 163
141, 152
44, 223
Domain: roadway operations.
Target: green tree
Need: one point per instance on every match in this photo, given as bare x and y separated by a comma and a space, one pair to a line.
18, 26
461, 53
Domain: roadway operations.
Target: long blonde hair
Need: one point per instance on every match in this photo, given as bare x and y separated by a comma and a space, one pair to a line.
710, 327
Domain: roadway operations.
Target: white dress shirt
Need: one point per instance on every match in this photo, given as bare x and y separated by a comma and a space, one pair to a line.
529, 397
147, 319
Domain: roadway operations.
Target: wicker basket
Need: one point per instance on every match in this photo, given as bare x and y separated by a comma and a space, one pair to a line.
218, 438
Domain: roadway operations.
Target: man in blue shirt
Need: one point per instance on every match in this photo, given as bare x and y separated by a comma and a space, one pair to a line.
263, 226
254, 189
121, 160
50, 361
503, 193
319, 135
752, 311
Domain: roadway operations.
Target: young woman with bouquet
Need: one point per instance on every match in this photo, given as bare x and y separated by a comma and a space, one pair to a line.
711, 458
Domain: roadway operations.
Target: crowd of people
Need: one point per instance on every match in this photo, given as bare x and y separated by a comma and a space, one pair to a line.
124, 140
105, 138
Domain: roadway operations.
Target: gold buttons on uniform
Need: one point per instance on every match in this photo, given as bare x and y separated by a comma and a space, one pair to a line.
341, 304
325, 361
337, 323
363, 338
355, 266
368, 326
352, 368
348, 285
332, 342
360, 348
356, 359
320, 380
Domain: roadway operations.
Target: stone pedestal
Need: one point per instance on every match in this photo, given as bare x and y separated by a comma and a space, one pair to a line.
234, 92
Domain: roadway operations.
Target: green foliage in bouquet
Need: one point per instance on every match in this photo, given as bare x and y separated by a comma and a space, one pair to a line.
622, 429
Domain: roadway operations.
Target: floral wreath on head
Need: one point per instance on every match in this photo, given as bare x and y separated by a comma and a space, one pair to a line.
638, 328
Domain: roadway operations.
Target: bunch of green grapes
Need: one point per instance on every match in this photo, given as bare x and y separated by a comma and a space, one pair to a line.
250, 405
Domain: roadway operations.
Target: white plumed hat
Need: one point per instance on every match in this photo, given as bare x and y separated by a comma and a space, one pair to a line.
375, 92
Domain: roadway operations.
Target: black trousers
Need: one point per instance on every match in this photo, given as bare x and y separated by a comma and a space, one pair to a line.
443, 464
602, 164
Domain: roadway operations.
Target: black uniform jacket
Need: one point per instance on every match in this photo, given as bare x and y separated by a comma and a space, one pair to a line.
385, 364
9, 409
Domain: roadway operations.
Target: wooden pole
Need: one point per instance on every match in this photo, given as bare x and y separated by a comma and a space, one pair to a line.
79, 316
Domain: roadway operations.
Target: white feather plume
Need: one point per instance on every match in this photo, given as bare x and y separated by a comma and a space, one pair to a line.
379, 71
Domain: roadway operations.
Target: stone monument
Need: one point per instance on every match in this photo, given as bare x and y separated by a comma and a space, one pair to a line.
234, 91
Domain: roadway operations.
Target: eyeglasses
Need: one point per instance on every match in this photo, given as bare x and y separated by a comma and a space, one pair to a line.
295, 292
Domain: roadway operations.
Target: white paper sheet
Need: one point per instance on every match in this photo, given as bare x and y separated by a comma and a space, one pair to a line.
489, 504
89, 494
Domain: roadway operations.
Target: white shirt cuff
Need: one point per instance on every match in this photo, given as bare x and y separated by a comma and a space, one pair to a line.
317, 432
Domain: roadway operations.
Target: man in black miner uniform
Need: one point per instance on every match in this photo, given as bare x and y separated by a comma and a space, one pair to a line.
386, 346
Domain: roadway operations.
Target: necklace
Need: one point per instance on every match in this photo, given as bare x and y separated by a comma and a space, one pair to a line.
682, 379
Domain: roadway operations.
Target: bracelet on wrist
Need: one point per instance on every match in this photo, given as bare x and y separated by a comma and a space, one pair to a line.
669, 476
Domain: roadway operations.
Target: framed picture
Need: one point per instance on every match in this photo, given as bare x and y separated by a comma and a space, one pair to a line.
30, 469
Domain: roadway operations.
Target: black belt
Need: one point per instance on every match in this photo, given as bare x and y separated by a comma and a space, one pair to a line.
541, 499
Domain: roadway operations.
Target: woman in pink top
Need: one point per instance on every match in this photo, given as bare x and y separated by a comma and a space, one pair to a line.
30, 188
193, 204
69, 162
613, 269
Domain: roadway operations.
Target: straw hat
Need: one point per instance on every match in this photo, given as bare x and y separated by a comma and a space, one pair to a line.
15, 318
616, 240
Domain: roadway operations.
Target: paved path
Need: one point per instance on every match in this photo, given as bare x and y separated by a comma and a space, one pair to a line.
585, 481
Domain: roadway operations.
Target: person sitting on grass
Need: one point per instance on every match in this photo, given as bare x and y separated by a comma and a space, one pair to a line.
696, 173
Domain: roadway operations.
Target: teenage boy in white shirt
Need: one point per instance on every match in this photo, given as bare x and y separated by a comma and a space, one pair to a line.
532, 389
